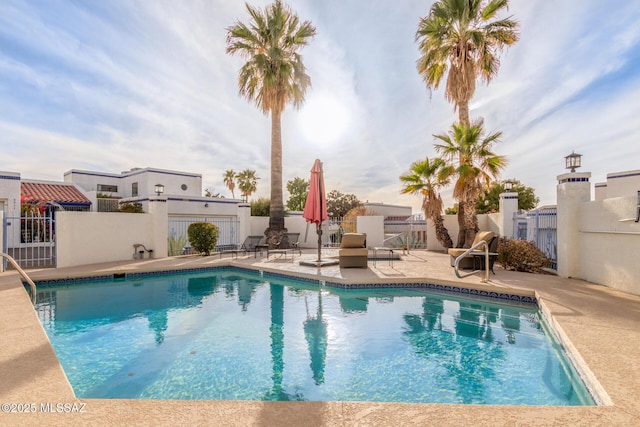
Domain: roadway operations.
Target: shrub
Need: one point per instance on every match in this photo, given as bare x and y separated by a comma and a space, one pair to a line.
260, 207
130, 207
176, 244
203, 236
521, 255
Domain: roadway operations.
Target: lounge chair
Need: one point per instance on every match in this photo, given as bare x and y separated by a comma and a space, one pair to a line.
289, 243
353, 250
251, 244
467, 262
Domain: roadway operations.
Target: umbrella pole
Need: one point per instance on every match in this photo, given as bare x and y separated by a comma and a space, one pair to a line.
319, 231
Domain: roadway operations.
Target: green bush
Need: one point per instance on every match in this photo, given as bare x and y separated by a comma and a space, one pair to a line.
130, 207
260, 207
521, 255
203, 237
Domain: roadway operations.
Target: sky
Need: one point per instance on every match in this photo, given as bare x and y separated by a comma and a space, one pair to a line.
116, 84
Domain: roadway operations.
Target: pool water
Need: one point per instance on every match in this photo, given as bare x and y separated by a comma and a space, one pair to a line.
234, 335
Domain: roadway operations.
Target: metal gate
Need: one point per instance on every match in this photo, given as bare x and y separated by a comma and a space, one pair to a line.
541, 227
178, 244
30, 239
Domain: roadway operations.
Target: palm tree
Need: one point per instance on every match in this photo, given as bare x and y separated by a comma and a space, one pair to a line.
273, 76
229, 177
467, 150
247, 183
425, 178
462, 39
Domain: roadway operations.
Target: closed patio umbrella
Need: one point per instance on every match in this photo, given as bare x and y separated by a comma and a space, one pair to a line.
315, 209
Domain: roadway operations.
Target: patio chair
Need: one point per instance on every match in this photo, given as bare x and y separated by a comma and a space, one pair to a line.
289, 243
467, 262
252, 244
353, 250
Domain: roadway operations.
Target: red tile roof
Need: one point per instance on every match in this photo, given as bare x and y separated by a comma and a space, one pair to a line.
59, 193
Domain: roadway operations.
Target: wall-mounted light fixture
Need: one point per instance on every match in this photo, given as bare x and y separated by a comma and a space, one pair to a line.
159, 189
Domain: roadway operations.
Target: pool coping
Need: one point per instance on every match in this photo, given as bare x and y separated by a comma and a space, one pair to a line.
610, 356
471, 289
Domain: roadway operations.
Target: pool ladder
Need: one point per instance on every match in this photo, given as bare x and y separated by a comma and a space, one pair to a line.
486, 261
26, 278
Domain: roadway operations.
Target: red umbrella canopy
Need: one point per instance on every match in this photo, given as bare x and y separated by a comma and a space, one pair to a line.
315, 208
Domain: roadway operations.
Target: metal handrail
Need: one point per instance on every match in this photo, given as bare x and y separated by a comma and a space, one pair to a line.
486, 260
23, 274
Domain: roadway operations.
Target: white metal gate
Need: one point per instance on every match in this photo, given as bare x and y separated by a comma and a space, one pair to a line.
541, 227
30, 239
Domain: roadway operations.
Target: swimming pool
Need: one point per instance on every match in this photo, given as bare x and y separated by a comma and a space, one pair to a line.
231, 334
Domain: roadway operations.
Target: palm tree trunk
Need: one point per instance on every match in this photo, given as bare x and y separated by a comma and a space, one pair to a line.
276, 209
442, 234
461, 229
470, 223
463, 113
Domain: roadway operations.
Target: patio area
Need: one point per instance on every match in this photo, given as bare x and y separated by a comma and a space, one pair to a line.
602, 325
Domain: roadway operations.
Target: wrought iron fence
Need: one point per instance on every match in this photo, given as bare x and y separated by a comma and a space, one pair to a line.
541, 227
178, 240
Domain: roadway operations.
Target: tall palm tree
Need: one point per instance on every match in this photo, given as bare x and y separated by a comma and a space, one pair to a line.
469, 152
425, 178
229, 177
462, 39
247, 183
273, 76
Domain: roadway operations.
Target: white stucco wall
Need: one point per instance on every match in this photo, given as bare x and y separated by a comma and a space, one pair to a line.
623, 184
572, 192
609, 242
485, 223
388, 210
96, 237
146, 178
10, 193
373, 226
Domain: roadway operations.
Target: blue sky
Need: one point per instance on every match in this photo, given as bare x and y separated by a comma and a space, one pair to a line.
111, 85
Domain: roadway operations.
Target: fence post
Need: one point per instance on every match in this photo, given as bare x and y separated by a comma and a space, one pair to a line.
573, 190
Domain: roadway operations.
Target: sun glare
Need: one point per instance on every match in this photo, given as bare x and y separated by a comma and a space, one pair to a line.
323, 119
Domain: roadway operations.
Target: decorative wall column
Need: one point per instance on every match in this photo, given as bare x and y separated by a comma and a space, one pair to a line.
244, 217
159, 211
508, 208
573, 189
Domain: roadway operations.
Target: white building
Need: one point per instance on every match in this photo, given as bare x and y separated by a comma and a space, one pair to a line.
183, 191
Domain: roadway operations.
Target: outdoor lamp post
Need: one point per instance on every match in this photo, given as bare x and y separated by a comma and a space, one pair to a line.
508, 186
573, 161
159, 189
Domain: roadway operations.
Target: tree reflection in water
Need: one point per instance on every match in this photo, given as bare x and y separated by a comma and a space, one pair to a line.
465, 354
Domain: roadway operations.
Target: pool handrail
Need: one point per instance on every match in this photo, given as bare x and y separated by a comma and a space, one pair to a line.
15, 265
486, 261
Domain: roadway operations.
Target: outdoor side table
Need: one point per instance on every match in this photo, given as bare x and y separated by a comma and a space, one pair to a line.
382, 248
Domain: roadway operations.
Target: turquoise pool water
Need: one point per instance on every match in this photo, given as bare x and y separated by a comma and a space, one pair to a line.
234, 335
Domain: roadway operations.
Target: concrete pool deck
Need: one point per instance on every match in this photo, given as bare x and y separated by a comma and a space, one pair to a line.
602, 324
